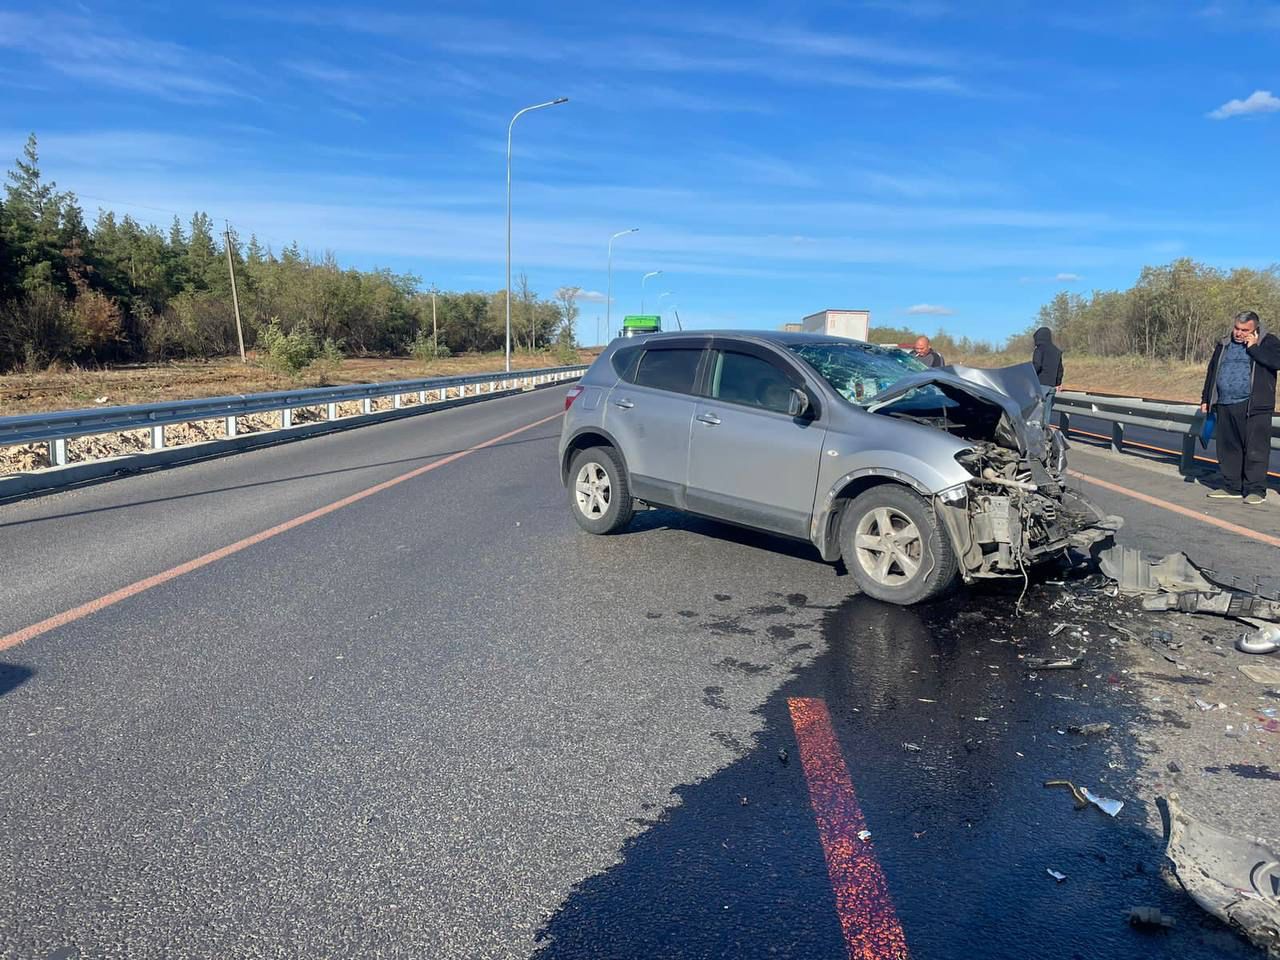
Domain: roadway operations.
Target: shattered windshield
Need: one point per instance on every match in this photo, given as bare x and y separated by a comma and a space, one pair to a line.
858, 371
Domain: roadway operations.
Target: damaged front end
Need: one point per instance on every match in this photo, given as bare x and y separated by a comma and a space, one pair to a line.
1017, 509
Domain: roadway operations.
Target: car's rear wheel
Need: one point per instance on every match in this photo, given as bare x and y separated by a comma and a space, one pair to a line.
599, 494
894, 546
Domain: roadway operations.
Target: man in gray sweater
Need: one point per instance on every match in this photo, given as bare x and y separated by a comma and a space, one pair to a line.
1240, 388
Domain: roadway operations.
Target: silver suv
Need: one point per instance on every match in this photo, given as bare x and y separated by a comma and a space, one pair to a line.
911, 475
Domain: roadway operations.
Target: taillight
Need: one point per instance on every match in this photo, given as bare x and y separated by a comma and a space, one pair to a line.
572, 395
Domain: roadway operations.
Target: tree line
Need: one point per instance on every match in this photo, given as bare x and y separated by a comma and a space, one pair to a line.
120, 291
1173, 312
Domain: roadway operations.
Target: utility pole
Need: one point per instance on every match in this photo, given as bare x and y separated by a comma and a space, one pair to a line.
597, 330
235, 297
435, 330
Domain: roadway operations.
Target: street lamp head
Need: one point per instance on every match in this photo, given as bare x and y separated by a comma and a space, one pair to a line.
560, 100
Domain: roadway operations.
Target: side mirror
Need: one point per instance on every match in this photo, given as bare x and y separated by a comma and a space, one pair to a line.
799, 403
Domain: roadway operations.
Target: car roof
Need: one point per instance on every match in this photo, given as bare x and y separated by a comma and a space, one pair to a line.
775, 337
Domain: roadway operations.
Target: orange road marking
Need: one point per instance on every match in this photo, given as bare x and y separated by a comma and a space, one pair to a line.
133, 589
1180, 510
866, 914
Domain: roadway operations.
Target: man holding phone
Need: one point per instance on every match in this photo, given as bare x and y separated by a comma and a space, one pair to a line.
1240, 387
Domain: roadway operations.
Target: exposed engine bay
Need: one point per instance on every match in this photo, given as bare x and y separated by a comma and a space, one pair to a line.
1018, 509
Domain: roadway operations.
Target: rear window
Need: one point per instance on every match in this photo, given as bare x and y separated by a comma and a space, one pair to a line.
673, 370
624, 362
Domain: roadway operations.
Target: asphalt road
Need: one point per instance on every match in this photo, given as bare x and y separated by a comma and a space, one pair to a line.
441, 721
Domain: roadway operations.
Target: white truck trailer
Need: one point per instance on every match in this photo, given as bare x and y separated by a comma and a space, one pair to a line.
853, 324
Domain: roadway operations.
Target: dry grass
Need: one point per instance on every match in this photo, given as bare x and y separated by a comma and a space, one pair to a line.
69, 389
1124, 376
65, 389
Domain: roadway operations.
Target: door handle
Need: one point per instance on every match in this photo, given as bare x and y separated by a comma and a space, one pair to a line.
708, 418
624, 404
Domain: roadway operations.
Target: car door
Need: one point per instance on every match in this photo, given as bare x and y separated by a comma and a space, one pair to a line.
650, 412
750, 461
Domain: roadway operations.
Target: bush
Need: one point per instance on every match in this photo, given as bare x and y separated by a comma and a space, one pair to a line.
327, 362
289, 353
424, 349
566, 349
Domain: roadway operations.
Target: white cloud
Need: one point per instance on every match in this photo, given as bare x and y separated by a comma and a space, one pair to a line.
592, 296
1067, 277
930, 309
1260, 101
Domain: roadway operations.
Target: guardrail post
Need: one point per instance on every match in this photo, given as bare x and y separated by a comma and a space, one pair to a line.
230, 426
332, 411
395, 402
1117, 437
286, 418
58, 452
422, 396
1187, 461
366, 405
157, 437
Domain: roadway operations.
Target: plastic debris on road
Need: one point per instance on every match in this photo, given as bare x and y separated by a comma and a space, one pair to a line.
1090, 729
1149, 917
1042, 663
1263, 673
1237, 879
1077, 794
1265, 639
864, 835
1055, 874
1108, 806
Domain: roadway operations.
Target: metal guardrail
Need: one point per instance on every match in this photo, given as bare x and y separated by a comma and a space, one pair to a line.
58, 427
1182, 419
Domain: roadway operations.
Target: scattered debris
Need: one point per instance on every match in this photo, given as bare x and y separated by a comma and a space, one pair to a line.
1172, 767
1066, 663
1055, 874
1237, 879
1175, 583
924, 700
1058, 628
1261, 673
782, 754
1265, 639
1149, 917
864, 835
1090, 729
982, 719
912, 747
745, 801
1108, 806
1081, 800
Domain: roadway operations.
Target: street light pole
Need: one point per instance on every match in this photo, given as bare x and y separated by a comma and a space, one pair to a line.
510, 126
608, 297
651, 273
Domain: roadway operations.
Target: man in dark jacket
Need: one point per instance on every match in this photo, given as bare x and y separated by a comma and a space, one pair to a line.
927, 355
1240, 387
1047, 359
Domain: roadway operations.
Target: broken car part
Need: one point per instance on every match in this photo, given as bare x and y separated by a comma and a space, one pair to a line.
1265, 639
1043, 663
1237, 879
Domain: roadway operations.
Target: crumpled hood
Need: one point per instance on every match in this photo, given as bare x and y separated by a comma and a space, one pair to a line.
1015, 390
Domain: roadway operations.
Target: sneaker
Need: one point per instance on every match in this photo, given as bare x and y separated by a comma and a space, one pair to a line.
1254, 499
1223, 495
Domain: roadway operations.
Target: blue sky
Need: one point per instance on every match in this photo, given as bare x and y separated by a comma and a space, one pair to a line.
941, 162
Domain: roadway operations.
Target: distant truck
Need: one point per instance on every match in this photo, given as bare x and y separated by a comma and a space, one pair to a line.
852, 324
636, 325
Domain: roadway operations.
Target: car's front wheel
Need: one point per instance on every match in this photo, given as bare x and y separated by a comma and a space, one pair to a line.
599, 494
894, 546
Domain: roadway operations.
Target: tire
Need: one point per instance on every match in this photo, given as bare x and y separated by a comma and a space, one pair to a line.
921, 563
607, 506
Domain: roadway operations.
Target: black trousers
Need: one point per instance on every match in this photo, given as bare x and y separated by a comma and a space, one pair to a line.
1244, 448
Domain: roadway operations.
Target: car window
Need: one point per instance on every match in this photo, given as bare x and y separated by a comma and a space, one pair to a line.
624, 362
858, 371
742, 378
673, 370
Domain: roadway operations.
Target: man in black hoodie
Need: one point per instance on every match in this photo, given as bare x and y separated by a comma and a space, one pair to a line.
1240, 387
1047, 359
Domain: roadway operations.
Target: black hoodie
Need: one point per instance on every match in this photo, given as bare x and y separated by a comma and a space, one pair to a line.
1047, 359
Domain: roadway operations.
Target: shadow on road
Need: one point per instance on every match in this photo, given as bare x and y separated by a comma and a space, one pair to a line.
646, 521
948, 739
12, 676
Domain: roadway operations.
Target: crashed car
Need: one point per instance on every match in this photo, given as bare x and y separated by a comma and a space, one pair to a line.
913, 476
